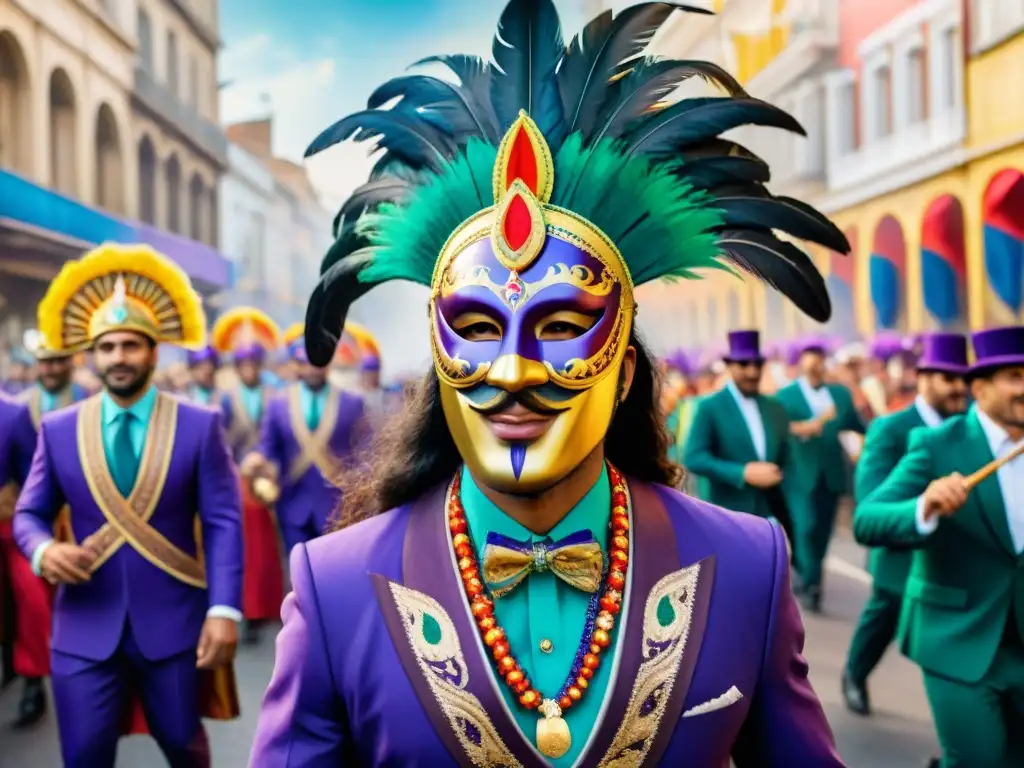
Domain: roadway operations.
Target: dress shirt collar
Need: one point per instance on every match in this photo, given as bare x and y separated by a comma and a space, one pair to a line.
995, 435
928, 414
740, 397
141, 409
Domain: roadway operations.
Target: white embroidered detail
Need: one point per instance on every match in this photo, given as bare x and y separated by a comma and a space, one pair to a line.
727, 699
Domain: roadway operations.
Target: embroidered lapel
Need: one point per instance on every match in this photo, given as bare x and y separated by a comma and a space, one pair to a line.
664, 627
988, 493
35, 406
128, 519
314, 447
451, 676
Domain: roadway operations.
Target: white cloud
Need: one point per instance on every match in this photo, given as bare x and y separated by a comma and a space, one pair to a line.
236, 59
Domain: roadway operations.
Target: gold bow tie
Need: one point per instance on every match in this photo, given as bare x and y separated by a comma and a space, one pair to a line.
577, 560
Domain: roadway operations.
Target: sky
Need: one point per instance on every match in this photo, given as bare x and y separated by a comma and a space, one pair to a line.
311, 62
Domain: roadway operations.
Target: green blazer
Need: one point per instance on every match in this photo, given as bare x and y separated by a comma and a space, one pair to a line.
719, 446
821, 456
884, 446
966, 574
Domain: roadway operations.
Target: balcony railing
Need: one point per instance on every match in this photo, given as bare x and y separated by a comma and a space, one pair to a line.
159, 99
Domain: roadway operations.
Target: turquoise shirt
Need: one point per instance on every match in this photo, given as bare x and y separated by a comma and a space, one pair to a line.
48, 401
141, 409
543, 607
202, 395
308, 399
252, 401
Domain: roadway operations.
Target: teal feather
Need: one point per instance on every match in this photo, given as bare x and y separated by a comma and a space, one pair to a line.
663, 227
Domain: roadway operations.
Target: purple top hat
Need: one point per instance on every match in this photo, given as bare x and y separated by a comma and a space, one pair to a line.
744, 347
814, 344
370, 364
997, 348
944, 352
297, 351
249, 352
679, 361
886, 346
199, 356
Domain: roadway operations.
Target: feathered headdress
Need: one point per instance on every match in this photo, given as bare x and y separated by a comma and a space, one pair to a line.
366, 344
121, 288
244, 327
653, 176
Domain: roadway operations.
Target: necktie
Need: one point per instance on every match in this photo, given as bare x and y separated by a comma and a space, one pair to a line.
577, 560
126, 463
314, 411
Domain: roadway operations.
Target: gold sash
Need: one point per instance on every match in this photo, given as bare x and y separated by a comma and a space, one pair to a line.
314, 447
34, 400
244, 433
128, 519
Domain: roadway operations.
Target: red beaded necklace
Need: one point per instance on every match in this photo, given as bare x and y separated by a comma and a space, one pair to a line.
553, 737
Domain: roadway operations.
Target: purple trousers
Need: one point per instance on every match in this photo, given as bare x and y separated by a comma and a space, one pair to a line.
92, 699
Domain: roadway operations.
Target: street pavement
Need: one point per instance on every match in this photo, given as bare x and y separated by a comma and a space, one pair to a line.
899, 735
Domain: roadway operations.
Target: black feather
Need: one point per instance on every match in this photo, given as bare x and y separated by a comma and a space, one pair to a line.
475, 76
711, 172
328, 307
389, 189
781, 265
596, 53
696, 120
527, 49
770, 213
446, 106
404, 135
649, 82
346, 241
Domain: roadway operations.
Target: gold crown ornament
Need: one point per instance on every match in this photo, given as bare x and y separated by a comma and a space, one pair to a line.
121, 287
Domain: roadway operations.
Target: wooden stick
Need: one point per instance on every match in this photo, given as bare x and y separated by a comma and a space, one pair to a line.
992, 467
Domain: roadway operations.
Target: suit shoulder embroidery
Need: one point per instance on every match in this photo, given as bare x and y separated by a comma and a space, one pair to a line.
435, 642
668, 614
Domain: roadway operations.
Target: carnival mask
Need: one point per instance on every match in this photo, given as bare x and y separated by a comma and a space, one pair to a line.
532, 308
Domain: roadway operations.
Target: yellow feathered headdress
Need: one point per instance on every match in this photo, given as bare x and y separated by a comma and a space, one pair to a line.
245, 327
119, 287
293, 333
35, 344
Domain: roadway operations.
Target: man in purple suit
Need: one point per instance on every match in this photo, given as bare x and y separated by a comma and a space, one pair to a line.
523, 586
143, 607
309, 432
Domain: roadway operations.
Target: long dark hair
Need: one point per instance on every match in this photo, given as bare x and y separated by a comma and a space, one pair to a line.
414, 451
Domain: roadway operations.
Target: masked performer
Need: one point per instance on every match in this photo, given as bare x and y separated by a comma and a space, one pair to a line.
249, 336
52, 391
528, 590
308, 432
139, 612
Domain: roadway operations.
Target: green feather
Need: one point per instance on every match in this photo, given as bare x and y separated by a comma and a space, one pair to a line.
662, 226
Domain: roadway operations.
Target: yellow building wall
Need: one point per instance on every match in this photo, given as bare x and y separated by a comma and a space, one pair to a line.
995, 142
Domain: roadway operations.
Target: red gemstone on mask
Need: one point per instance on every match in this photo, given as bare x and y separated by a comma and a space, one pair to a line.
517, 224
522, 162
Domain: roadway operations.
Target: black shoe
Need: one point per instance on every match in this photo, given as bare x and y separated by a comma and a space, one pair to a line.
811, 599
855, 694
33, 703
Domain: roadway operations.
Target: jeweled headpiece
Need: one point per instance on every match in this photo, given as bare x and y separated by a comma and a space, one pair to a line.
580, 144
121, 288
246, 333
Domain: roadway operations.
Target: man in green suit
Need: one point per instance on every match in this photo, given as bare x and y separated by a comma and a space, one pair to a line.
818, 413
963, 612
941, 393
738, 438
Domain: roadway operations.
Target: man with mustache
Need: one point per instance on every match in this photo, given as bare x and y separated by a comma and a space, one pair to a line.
524, 585
307, 434
963, 612
941, 393
52, 391
738, 439
143, 609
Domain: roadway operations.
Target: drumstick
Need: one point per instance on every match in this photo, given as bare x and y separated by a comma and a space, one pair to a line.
993, 467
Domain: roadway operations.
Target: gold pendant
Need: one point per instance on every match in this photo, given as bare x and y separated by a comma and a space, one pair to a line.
553, 737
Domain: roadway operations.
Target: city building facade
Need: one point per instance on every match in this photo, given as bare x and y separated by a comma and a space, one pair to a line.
69, 150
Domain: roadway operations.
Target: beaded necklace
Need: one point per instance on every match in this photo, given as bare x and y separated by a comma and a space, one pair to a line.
553, 736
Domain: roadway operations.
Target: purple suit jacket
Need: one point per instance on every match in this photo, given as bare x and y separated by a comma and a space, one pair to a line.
311, 498
357, 682
17, 441
166, 614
